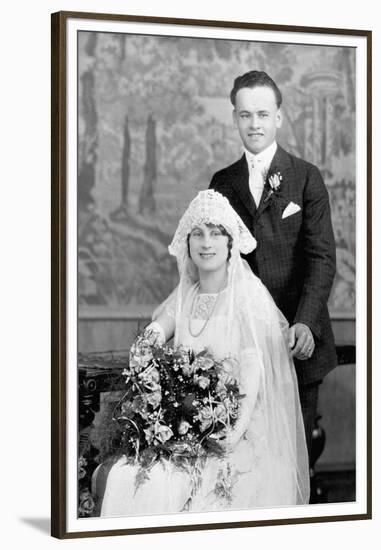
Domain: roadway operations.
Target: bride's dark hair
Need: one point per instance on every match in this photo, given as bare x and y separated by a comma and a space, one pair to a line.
223, 232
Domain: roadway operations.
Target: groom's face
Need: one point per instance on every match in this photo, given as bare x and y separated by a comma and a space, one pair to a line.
257, 117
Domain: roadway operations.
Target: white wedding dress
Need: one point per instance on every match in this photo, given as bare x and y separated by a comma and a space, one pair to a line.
258, 472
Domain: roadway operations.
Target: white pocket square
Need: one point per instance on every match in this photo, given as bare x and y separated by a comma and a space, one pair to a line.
290, 209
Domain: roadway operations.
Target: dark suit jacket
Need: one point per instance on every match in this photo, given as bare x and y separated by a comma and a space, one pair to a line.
295, 256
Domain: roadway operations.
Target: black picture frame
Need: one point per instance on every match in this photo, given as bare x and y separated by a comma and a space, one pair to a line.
60, 210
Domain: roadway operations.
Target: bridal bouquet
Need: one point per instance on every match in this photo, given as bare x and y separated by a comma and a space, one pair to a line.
177, 405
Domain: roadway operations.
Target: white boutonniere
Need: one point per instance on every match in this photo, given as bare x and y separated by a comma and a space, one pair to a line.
274, 181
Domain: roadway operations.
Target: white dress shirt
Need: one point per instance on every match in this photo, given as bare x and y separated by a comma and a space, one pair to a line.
258, 167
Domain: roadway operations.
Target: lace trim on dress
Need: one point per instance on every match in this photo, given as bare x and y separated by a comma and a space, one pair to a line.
204, 306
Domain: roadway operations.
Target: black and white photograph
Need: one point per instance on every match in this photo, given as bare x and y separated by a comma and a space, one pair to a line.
213, 253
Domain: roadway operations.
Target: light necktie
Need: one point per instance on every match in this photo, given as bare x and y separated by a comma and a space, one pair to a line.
256, 179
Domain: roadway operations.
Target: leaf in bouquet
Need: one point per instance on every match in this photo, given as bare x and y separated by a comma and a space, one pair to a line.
142, 475
158, 354
187, 369
201, 353
214, 447
189, 404
226, 480
181, 448
139, 405
221, 390
149, 434
180, 354
149, 456
127, 408
220, 413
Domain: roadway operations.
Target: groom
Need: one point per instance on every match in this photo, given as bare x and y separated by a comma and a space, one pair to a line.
283, 201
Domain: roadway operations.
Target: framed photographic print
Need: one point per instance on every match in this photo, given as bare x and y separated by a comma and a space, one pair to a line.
269, 422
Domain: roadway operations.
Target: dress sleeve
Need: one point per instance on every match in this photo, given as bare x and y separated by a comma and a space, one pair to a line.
164, 316
250, 369
168, 307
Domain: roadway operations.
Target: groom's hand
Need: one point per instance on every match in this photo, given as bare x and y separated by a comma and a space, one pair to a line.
301, 341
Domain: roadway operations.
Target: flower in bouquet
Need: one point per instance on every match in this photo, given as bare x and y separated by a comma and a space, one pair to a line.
163, 433
187, 369
228, 367
205, 417
204, 362
158, 433
202, 381
141, 352
86, 503
183, 427
155, 397
150, 378
82, 463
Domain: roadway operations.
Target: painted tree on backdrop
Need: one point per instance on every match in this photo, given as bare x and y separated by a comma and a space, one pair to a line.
88, 142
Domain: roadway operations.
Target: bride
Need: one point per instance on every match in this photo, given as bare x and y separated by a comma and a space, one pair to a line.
219, 304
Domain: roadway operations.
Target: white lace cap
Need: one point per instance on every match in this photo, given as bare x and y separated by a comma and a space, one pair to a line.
211, 207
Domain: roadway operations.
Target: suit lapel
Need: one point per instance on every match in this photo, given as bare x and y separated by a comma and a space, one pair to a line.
280, 163
240, 184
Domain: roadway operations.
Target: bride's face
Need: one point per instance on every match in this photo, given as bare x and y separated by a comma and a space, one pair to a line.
208, 247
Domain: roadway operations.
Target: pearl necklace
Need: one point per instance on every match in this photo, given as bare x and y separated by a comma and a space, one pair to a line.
193, 308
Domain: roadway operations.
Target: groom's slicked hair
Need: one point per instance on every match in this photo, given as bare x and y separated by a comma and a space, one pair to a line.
252, 79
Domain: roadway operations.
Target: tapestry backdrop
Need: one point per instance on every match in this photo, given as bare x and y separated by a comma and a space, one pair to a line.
155, 123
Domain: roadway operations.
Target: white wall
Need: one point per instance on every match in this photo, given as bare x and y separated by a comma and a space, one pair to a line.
24, 288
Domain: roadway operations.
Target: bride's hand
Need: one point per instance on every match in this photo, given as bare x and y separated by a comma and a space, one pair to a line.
156, 333
225, 440
229, 443
235, 434
231, 440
